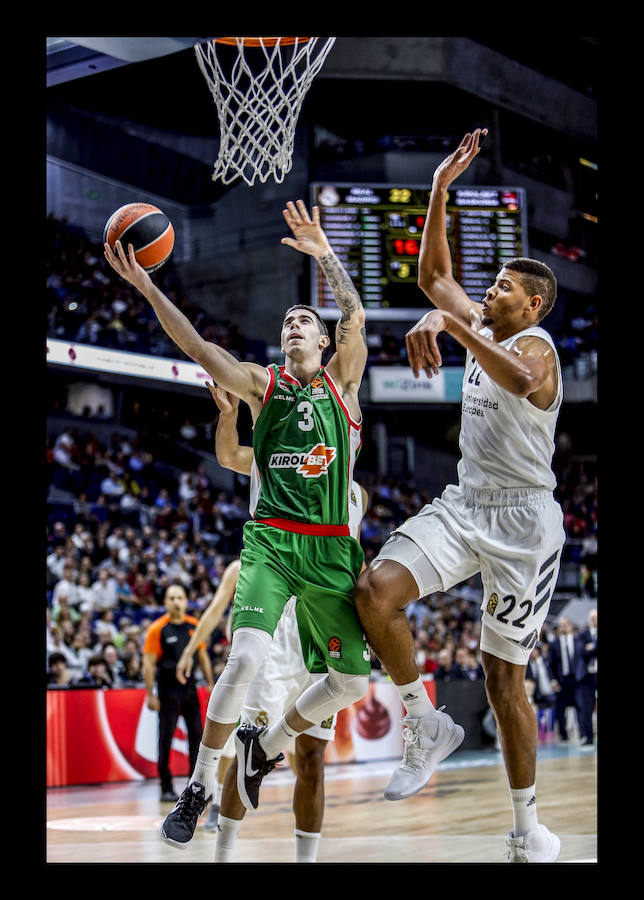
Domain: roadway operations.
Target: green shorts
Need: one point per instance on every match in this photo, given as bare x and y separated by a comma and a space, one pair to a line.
320, 572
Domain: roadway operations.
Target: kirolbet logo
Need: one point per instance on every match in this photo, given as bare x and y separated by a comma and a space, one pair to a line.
311, 464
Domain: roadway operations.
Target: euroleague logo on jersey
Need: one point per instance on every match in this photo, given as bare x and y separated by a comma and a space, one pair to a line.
311, 464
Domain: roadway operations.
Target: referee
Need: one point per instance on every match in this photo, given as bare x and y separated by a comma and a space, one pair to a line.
164, 642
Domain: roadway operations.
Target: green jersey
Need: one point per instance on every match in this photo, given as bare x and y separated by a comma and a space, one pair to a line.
305, 444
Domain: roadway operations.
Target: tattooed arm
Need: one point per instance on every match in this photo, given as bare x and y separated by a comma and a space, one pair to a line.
347, 364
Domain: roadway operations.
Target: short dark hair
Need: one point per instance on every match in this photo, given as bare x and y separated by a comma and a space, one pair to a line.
311, 309
536, 278
55, 658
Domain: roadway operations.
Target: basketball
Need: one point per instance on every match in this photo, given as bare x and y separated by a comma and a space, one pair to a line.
144, 226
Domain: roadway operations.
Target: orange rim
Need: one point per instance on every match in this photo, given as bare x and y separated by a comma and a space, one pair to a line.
257, 42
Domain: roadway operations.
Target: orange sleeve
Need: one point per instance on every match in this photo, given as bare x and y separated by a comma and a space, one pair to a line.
152, 643
194, 621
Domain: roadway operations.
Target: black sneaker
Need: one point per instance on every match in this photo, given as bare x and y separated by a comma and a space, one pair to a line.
179, 826
252, 764
169, 796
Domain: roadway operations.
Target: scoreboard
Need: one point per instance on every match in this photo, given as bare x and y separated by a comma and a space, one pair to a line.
375, 230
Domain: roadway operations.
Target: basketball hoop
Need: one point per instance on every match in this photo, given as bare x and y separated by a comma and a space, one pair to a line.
258, 85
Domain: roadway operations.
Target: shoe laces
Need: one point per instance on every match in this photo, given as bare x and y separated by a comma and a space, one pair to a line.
411, 739
264, 768
189, 805
516, 851
414, 756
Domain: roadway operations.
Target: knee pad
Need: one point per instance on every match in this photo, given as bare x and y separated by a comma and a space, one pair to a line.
247, 653
348, 688
332, 693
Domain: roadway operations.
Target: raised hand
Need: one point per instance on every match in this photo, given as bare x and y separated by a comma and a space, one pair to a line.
308, 236
458, 161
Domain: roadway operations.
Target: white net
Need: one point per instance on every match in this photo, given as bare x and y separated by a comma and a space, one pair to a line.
258, 91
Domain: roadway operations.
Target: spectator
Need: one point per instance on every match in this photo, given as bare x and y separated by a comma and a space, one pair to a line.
96, 674
55, 564
538, 671
113, 665
84, 592
467, 665
61, 610
132, 671
104, 591
67, 586
418, 610
447, 669
104, 625
82, 649
586, 677
59, 674
562, 663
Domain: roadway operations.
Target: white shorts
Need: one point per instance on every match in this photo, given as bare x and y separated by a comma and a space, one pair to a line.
281, 679
512, 537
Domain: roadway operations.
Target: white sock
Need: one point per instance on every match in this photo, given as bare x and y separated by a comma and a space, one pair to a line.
306, 846
205, 770
415, 698
276, 737
524, 807
227, 831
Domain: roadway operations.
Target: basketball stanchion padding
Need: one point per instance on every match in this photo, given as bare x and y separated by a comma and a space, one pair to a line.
144, 226
258, 85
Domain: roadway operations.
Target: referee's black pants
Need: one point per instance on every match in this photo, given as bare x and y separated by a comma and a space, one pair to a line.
177, 700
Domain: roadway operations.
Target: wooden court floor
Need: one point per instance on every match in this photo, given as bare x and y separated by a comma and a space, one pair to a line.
462, 816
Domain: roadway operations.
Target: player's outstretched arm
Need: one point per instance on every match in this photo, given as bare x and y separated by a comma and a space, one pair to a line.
348, 362
229, 452
209, 620
435, 276
245, 380
528, 369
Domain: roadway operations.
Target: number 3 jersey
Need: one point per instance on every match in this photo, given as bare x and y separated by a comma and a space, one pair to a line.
305, 445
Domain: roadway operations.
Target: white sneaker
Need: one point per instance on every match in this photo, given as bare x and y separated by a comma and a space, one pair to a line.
428, 740
539, 845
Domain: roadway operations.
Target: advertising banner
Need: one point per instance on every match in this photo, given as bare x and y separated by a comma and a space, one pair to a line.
96, 736
122, 362
396, 384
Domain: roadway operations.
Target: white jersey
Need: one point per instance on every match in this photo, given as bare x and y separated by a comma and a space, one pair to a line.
356, 512
506, 441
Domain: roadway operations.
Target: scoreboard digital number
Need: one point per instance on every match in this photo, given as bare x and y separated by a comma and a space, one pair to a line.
376, 229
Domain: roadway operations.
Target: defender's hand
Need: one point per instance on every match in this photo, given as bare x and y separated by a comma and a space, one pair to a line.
308, 234
458, 161
422, 346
